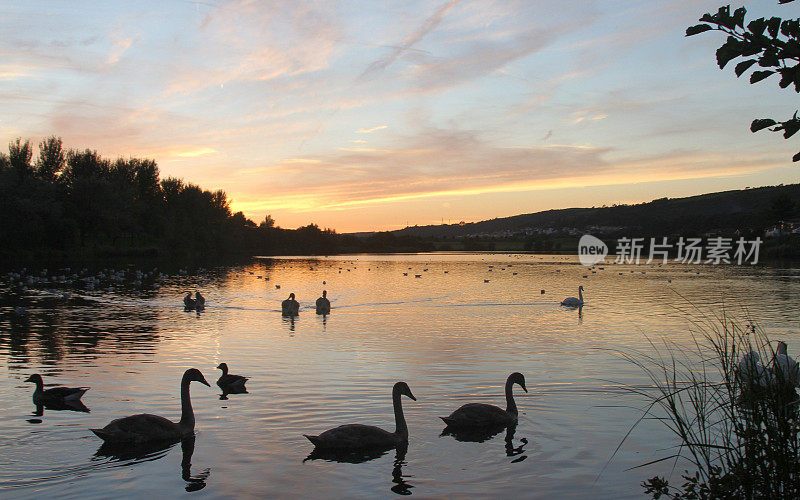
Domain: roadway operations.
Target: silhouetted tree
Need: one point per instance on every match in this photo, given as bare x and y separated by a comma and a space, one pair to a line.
772, 43
267, 222
19, 156
52, 159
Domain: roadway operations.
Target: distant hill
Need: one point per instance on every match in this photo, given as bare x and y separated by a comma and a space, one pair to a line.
723, 212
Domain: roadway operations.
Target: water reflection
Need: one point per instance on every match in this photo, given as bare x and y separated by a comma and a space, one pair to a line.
197, 482
232, 389
290, 320
148, 452
482, 434
60, 405
400, 485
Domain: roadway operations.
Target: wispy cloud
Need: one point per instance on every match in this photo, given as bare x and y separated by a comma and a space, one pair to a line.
370, 130
409, 41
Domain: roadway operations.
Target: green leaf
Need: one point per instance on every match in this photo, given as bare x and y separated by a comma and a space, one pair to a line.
796, 157
743, 66
757, 76
699, 28
761, 123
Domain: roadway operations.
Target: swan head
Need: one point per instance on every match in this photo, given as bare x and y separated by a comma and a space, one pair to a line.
194, 375
519, 379
291, 296
35, 378
403, 389
781, 348
580, 288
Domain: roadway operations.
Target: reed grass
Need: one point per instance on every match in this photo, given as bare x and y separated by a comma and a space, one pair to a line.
741, 434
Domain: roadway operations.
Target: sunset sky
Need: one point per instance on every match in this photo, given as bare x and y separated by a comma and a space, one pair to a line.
371, 115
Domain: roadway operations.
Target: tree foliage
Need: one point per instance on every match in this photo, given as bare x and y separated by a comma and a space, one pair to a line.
767, 46
70, 202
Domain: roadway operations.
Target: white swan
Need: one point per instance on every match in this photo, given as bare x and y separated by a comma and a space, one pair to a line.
751, 373
784, 367
573, 301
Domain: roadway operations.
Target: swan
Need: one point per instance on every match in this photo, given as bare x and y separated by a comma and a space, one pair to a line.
784, 367
143, 428
56, 394
188, 301
199, 301
229, 381
573, 301
751, 373
484, 415
359, 436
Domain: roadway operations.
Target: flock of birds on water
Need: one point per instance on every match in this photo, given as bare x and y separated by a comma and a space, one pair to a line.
145, 428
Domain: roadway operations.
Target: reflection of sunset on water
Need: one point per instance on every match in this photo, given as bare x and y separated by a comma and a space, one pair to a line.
450, 336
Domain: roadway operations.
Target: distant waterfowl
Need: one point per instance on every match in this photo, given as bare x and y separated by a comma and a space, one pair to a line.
486, 415
144, 427
54, 395
359, 436
290, 307
229, 381
199, 301
188, 302
574, 301
323, 304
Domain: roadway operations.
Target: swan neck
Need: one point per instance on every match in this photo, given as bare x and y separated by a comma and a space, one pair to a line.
401, 429
511, 406
187, 414
580, 294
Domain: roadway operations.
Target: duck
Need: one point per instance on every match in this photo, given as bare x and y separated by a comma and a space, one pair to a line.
485, 415
188, 301
146, 428
228, 381
54, 395
574, 301
358, 436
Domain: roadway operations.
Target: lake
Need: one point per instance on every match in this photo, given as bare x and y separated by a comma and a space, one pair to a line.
453, 334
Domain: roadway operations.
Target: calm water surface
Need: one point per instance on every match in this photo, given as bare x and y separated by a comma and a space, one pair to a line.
453, 337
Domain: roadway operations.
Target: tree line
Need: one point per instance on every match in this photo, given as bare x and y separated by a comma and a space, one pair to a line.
70, 202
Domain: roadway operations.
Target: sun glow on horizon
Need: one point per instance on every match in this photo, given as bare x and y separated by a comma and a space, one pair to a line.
355, 116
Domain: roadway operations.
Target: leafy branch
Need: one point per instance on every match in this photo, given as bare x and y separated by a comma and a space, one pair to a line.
771, 44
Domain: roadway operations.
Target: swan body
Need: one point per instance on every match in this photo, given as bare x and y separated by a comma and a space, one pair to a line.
56, 394
574, 301
323, 304
188, 301
290, 307
784, 367
752, 374
229, 381
199, 301
144, 427
486, 415
359, 436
